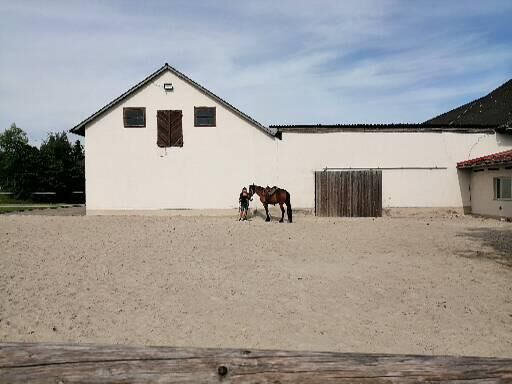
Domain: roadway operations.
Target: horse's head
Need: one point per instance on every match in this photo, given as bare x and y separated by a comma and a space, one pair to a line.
252, 190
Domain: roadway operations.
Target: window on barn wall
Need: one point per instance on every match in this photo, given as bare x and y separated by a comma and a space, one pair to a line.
134, 117
502, 188
204, 117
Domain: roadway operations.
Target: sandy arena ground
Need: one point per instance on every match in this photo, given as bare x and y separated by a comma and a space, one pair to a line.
393, 285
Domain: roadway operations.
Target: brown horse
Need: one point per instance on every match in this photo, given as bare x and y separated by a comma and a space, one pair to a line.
273, 196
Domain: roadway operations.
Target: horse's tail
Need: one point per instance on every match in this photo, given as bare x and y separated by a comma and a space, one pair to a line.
288, 207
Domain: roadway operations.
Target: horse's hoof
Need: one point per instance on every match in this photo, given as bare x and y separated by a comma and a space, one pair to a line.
267, 219
281, 221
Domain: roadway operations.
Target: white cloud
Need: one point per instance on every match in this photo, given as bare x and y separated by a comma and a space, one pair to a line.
280, 61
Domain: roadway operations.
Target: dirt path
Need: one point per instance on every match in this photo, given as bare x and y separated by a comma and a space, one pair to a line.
428, 286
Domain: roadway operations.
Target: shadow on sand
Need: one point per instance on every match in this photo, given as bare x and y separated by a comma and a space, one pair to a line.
497, 244
257, 213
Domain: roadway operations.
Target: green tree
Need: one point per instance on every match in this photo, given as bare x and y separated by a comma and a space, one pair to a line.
57, 166
77, 167
56, 154
18, 162
12, 138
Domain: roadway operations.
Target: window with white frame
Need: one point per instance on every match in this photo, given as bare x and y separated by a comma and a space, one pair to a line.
503, 188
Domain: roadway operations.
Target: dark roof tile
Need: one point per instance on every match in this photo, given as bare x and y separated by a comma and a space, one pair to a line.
495, 108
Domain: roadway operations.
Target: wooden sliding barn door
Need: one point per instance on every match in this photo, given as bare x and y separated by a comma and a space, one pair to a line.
348, 193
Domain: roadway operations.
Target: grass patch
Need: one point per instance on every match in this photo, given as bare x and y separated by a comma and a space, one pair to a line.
28, 207
9, 204
14, 209
9, 199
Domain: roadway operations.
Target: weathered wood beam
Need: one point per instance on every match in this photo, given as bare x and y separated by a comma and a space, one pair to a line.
88, 363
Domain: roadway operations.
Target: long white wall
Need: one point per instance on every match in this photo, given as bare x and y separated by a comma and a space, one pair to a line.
126, 170
482, 194
301, 154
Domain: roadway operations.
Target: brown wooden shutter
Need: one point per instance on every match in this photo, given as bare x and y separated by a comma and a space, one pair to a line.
163, 138
169, 129
176, 129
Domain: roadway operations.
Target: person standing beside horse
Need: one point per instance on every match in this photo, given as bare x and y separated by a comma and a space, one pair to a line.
244, 204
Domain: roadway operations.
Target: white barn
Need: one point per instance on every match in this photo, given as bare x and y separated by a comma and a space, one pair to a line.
167, 140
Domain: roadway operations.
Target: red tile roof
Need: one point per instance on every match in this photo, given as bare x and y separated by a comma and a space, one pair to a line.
493, 159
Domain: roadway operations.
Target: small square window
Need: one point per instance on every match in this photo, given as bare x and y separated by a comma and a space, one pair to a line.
204, 117
134, 117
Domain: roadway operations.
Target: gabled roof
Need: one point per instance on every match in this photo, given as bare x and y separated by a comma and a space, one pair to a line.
495, 108
79, 129
499, 158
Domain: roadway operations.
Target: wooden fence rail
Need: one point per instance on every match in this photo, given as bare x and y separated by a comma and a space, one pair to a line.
87, 363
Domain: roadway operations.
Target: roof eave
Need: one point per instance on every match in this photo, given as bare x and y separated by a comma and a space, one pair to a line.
485, 165
505, 128
384, 127
78, 130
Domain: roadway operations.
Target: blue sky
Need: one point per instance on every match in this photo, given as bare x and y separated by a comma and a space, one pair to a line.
279, 61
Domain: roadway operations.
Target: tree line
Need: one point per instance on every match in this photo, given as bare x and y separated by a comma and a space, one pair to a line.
56, 166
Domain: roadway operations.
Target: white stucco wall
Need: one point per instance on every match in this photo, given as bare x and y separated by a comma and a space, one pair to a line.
301, 154
482, 194
126, 170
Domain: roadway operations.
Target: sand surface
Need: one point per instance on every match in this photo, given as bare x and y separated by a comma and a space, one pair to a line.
392, 285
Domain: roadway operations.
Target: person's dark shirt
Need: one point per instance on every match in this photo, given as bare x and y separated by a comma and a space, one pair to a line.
244, 198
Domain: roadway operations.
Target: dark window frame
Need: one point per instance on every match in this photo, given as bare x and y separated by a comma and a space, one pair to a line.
500, 183
214, 124
125, 120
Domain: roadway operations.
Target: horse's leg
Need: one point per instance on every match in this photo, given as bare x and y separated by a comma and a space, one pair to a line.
282, 212
266, 210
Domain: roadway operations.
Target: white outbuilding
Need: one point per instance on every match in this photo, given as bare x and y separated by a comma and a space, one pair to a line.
490, 184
